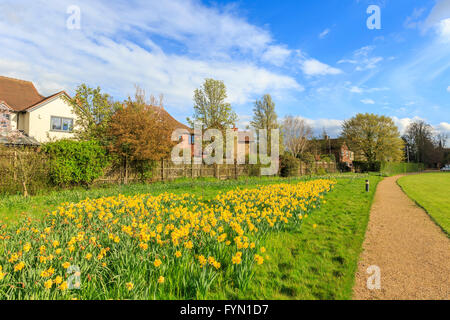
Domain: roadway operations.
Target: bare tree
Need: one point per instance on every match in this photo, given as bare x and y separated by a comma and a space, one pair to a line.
296, 133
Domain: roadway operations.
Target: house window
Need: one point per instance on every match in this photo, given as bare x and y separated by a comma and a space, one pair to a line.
61, 124
192, 139
4, 120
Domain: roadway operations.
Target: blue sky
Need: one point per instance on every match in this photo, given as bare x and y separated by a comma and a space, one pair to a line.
318, 59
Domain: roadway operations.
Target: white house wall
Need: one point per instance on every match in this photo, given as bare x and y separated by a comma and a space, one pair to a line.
39, 125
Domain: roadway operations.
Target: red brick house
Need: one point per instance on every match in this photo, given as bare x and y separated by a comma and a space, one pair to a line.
339, 149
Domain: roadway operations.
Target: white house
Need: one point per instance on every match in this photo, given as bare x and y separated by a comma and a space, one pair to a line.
23, 110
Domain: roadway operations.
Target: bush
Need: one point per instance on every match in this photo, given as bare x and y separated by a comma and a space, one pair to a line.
321, 171
365, 166
392, 168
327, 158
309, 160
289, 165
23, 170
75, 162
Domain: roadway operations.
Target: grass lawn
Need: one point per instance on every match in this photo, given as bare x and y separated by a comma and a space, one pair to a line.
14, 207
315, 263
304, 262
430, 191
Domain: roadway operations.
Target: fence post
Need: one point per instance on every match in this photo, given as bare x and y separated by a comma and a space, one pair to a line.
162, 169
14, 165
235, 169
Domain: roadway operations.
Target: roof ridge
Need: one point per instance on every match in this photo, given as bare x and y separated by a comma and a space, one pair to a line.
47, 98
18, 80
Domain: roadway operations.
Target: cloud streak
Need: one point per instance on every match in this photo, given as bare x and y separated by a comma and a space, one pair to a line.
134, 43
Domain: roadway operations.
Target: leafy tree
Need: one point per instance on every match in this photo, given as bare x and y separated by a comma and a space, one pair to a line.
210, 107
139, 135
295, 134
424, 145
264, 115
93, 109
373, 137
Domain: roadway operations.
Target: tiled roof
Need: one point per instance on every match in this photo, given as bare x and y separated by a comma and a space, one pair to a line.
18, 94
171, 121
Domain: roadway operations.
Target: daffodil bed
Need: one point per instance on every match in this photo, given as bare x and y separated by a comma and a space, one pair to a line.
150, 247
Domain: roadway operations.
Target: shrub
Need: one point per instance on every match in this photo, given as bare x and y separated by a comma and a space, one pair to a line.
392, 168
23, 170
309, 160
321, 171
288, 165
75, 162
365, 166
327, 158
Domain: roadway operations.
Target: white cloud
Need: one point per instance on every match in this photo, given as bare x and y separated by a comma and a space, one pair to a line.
412, 21
439, 13
403, 123
356, 89
448, 89
332, 126
444, 29
444, 127
368, 101
313, 67
362, 59
166, 47
276, 55
324, 33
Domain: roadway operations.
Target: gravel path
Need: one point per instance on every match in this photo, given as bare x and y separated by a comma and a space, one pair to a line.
413, 254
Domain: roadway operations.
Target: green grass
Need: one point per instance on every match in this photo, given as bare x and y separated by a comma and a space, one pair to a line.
431, 192
14, 207
304, 263
320, 263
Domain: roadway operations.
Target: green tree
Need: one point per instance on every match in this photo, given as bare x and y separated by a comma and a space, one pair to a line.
210, 107
373, 137
423, 145
265, 117
93, 109
139, 134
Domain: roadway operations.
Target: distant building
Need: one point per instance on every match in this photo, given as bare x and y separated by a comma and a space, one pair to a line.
339, 149
27, 117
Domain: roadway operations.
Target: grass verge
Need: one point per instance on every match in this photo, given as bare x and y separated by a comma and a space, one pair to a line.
430, 191
14, 207
320, 262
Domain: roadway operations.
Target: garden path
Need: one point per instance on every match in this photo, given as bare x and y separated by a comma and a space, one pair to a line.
411, 251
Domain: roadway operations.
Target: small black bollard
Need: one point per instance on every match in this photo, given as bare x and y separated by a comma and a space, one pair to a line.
367, 185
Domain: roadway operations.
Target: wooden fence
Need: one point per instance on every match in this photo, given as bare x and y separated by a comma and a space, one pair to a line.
165, 170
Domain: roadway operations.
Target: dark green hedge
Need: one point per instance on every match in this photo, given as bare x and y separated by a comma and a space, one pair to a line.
75, 162
387, 168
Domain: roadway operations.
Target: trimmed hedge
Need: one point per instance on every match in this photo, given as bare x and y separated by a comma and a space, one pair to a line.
364, 166
75, 162
393, 168
387, 168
